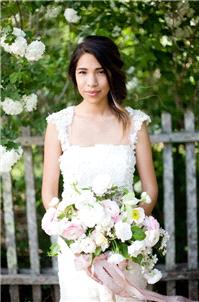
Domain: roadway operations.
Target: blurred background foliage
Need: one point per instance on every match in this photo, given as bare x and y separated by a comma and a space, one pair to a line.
159, 43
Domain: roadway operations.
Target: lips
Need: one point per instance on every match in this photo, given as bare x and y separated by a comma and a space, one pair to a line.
92, 93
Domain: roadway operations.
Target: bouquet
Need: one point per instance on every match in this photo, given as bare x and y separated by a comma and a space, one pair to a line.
104, 225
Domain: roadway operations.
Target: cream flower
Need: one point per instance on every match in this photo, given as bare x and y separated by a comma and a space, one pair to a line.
71, 15
35, 51
11, 107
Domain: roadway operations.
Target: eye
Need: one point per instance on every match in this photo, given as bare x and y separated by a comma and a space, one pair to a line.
101, 71
81, 72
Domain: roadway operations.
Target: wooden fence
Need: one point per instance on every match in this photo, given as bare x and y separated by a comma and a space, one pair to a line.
172, 272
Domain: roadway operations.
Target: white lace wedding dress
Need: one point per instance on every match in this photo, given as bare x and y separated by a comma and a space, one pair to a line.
83, 163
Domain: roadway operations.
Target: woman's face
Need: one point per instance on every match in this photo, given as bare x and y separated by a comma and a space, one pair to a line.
92, 82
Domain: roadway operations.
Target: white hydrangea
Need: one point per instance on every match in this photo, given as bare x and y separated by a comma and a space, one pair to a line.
18, 47
18, 32
8, 158
35, 51
11, 107
30, 102
71, 15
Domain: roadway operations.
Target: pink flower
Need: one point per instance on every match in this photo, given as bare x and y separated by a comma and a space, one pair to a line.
151, 223
82, 261
72, 231
49, 222
112, 209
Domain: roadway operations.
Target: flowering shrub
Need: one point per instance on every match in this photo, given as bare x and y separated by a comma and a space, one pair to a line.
106, 219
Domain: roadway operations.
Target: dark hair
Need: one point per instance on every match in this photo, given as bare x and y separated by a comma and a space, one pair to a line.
107, 54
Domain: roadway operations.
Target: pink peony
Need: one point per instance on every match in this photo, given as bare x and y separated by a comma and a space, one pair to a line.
151, 223
72, 231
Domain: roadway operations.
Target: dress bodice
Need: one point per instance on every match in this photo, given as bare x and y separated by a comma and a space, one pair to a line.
84, 163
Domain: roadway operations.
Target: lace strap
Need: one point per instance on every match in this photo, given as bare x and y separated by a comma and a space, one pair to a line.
62, 119
138, 117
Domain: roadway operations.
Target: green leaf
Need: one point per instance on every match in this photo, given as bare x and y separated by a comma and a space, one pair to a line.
137, 259
98, 251
54, 250
123, 249
138, 233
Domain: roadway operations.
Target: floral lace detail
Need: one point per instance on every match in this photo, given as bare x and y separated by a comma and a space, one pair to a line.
62, 120
138, 117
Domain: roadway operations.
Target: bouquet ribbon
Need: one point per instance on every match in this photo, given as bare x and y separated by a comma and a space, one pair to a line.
119, 282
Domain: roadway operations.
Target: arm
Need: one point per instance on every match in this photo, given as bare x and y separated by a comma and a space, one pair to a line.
145, 168
51, 170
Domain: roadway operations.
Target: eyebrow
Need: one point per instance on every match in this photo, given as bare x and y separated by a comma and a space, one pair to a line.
83, 68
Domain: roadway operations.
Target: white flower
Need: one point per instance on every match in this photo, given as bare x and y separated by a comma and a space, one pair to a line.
5, 46
30, 102
86, 197
11, 107
152, 277
145, 197
100, 240
131, 70
115, 258
76, 247
138, 186
88, 245
71, 15
165, 41
136, 248
101, 184
152, 237
18, 32
123, 231
35, 51
130, 199
132, 84
90, 215
138, 215
18, 47
52, 12
8, 158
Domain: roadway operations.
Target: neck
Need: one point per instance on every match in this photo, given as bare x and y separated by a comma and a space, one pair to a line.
89, 109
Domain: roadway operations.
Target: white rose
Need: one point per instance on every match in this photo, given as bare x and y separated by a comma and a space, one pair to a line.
152, 237
71, 15
18, 47
136, 248
11, 107
152, 277
123, 231
101, 184
35, 51
30, 102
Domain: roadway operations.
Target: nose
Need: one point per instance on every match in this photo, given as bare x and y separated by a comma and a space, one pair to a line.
91, 80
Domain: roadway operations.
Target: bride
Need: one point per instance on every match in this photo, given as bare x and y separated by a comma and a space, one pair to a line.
99, 135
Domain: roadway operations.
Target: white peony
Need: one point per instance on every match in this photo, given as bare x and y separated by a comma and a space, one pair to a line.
11, 107
90, 215
8, 158
35, 51
101, 184
136, 248
152, 277
123, 231
30, 102
71, 15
